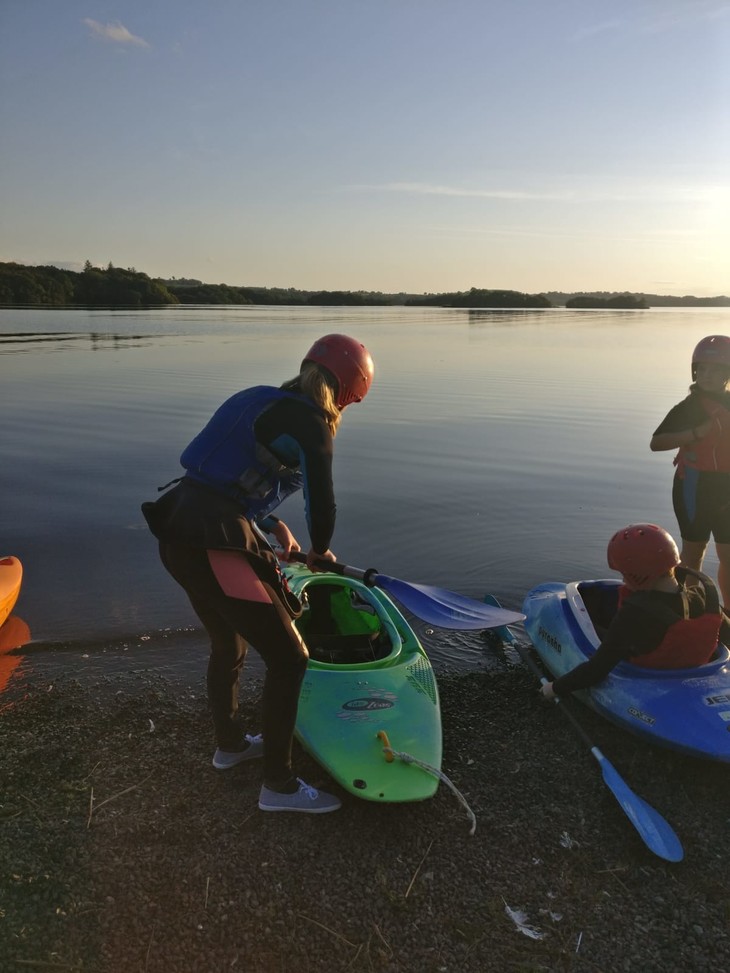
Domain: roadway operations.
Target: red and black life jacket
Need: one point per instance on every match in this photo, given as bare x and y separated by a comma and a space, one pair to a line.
687, 641
712, 452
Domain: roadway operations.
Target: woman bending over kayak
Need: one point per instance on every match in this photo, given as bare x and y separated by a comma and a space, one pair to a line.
262, 445
661, 621
699, 427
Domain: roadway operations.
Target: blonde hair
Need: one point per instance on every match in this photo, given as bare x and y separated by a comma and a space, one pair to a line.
319, 385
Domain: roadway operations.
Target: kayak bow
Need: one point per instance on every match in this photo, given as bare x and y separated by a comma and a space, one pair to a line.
369, 690
11, 577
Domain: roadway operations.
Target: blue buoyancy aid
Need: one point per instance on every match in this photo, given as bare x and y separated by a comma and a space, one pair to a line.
226, 456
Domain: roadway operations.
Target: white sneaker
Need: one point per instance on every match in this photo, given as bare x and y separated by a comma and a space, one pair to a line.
225, 759
306, 799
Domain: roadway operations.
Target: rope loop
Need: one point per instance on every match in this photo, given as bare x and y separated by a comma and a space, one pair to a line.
410, 759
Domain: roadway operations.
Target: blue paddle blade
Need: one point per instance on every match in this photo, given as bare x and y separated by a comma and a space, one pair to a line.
446, 609
656, 833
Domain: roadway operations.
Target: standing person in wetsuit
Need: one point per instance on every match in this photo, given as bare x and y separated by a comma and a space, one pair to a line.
262, 445
699, 426
660, 623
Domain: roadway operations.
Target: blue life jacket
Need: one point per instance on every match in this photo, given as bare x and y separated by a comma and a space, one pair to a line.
226, 456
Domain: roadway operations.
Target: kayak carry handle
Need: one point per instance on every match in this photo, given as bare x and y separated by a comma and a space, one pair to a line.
383, 737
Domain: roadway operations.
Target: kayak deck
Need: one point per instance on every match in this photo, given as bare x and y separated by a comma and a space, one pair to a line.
369, 686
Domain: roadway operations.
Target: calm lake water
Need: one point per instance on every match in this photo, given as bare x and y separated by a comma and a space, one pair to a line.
496, 450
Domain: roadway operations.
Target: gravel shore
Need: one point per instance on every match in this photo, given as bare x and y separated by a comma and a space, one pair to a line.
123, 850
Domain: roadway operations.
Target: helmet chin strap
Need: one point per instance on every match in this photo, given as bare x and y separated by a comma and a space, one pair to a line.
667, 582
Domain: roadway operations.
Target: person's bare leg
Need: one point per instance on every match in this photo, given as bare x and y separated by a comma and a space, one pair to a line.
723, 572
692, 556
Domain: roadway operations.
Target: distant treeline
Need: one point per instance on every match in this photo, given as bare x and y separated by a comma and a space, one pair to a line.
631, 302
113, 287
478, 297
195, 292
559, 298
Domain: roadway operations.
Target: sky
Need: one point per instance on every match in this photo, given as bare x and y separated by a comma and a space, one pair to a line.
381, 145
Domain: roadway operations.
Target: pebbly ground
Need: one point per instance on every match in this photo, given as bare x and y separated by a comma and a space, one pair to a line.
121, 849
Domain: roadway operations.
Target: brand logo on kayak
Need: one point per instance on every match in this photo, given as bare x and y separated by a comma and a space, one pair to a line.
550, 639
717, 700
361, 704
641, 716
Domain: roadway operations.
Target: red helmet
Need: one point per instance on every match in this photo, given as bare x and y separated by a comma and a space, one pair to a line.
348, 361
712, 350
642, 553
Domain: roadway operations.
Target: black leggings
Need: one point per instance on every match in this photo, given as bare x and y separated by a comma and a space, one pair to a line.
702, 505
231, 623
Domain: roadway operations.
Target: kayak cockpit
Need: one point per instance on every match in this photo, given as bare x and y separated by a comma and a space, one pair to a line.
592, 605
344, 624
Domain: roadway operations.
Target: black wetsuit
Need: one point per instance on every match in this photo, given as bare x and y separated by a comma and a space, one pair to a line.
701, 498
191, 519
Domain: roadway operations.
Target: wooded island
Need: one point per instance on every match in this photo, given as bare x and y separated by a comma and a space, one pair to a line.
22, 285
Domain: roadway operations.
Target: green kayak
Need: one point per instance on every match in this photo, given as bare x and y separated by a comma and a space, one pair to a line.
369, 690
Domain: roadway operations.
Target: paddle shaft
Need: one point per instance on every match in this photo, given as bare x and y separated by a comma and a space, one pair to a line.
436, 606
368, 576
656, 833
530, 663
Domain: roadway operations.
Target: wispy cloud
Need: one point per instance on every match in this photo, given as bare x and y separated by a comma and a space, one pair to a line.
680, 13
648, 19
427, 189
116, 33
581, 194
668, 236
592, 30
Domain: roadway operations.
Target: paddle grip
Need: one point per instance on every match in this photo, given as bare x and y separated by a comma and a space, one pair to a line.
368, 577
524, 654
301, 557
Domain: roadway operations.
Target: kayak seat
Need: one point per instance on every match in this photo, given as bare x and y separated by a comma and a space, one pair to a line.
347, 649
339, 627
601, 603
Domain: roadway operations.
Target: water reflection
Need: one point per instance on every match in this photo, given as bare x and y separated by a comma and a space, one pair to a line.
14, 634
502, 315
54, 341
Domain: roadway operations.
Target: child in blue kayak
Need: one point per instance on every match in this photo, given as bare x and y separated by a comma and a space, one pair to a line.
661, 622
699, 428
261, 445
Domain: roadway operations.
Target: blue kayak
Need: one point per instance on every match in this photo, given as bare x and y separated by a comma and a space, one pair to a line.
687, 710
